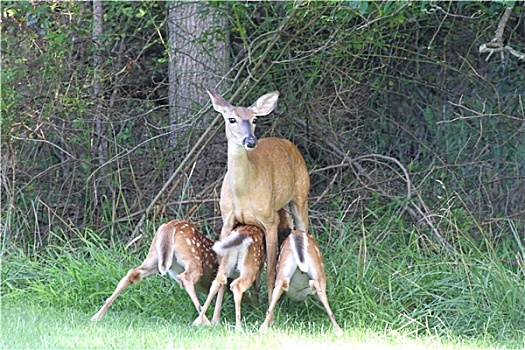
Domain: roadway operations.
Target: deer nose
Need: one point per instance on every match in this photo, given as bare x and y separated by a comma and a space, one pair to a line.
249, 142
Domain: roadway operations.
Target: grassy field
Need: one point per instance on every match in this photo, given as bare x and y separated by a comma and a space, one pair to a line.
31, 326
399, 292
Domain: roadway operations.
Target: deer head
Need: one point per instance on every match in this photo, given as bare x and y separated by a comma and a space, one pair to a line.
240, 121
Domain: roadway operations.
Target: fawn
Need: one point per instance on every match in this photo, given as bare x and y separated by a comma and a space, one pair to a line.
180, 250
300, 271
243, 251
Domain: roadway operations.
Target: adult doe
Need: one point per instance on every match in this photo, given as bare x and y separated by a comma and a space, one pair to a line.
263, 176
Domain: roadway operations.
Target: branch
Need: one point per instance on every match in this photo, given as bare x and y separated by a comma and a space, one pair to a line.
496, 44
419, 211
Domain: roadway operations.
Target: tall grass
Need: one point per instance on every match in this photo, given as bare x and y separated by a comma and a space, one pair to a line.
399, 291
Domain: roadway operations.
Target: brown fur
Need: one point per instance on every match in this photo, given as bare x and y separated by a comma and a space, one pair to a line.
243, 250
298, 279
262, 177
196, 259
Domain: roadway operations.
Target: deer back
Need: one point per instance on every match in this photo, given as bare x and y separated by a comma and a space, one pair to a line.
180, 244
300, 261
245, 247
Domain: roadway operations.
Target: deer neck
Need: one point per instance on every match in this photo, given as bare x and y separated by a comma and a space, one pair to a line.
240, 168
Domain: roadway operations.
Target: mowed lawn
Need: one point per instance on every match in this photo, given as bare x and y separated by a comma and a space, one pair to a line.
29, 326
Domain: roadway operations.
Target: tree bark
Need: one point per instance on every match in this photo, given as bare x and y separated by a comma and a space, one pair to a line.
199, 57
98, 141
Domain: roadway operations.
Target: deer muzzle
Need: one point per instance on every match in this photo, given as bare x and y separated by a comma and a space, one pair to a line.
249, 142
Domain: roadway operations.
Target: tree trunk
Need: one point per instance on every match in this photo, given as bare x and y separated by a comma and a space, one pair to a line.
198, 57
98, 140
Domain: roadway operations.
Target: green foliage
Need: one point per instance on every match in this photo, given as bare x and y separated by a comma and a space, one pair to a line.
36, 327
48, 121
400, 79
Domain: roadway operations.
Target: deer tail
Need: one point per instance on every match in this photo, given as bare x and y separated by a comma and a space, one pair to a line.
299, 246
236, 241
165, 248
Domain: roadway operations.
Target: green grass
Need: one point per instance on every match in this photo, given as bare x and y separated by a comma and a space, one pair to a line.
30, 326
397, 293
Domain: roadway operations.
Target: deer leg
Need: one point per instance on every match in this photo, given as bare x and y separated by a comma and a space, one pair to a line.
238, 287
280, 286
254, 293
320, 292
218, 283
237, 297
148, 268
271, 256
227, 226
202, 314
188, 279
218, 305
222, 280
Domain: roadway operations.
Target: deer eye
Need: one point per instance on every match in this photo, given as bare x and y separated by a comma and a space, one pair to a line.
254, 121
232, 120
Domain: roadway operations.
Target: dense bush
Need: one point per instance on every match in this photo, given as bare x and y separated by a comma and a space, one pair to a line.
375, 94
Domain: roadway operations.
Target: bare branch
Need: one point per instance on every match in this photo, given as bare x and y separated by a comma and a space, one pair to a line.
496, 44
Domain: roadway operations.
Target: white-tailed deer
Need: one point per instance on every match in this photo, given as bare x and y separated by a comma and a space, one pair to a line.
300, 271
180, 250
241, 251
263, 176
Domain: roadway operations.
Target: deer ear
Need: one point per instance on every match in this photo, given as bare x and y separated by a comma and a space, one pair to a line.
265, 104
219, 103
